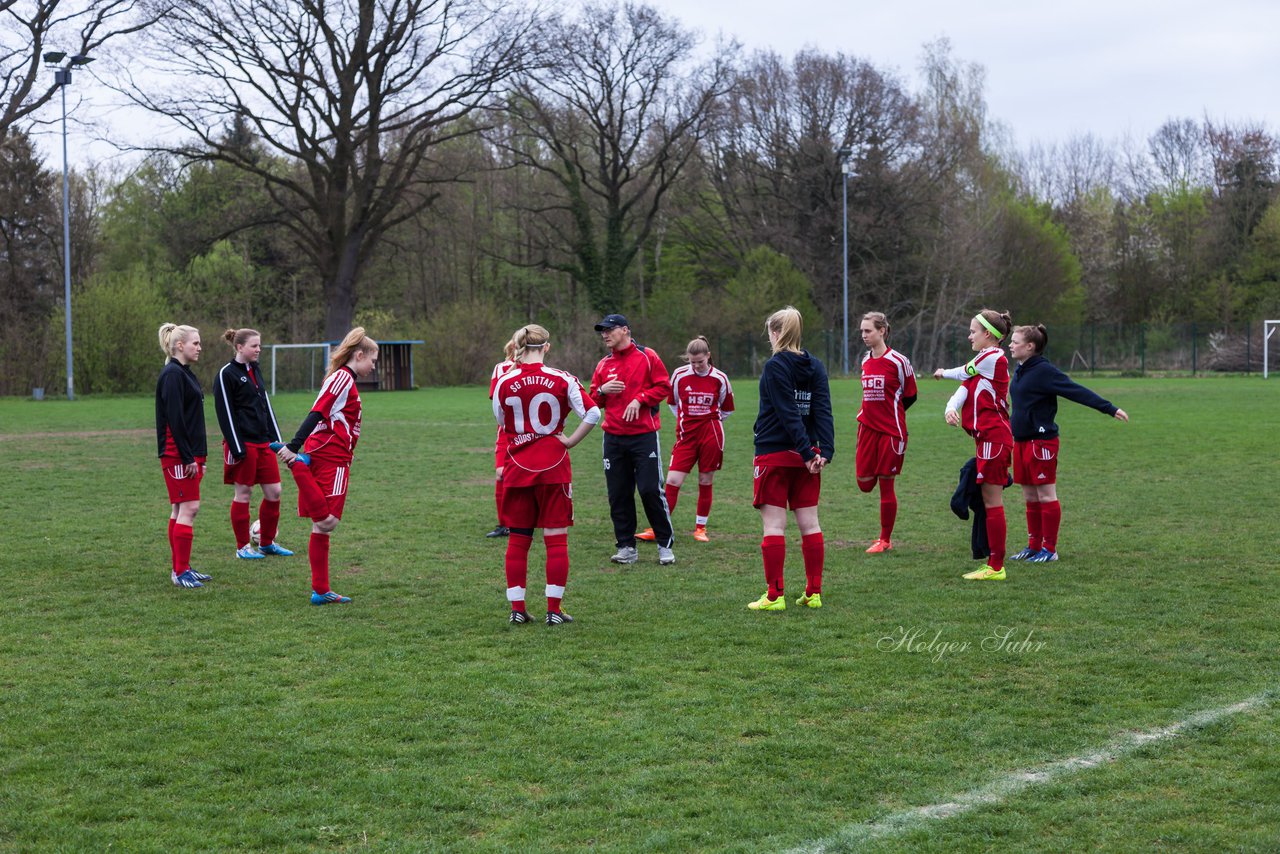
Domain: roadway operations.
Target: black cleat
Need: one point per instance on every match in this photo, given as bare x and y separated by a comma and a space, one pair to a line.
519, 618
500, 531
558, 618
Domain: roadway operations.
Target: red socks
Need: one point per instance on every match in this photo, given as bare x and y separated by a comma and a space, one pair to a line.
995, 536
704, 502
814, 549
268, 521
673, 493
1034, 523
182, 537
557, 569
517, 568
888, 508
774, 550
240, 522
318, 555
1050, 520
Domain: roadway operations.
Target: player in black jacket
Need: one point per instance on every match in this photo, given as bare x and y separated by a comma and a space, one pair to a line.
248, 427
181, 442
1035, 388
794, 440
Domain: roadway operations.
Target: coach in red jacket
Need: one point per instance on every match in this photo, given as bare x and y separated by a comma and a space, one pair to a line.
629, 385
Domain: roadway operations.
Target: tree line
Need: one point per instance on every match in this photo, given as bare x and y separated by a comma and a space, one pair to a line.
448, 171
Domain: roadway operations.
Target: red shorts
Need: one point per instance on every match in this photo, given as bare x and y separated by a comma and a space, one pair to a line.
258, 466
181, 487
878, 454
1035, 463
332, 480
543, 505
993, 462
786, 486
704, 447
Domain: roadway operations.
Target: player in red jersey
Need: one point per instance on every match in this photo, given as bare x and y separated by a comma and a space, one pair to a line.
531, 403
701, 397
248, 428
182, 444
320, 454
507, 363
981, 407
888, 390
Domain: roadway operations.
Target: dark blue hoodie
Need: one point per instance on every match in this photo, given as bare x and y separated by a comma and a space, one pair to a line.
1035, 388
795, 407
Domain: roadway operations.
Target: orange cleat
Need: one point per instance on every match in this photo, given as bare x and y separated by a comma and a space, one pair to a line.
880, 546
646, 535
700, 534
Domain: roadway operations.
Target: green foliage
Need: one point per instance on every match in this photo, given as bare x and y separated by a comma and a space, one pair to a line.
1041, 275
463, 342
115, 319
1259, 293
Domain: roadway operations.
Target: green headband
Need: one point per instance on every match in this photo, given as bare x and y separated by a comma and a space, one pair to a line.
994, 332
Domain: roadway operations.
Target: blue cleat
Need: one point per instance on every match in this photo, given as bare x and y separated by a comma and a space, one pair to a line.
1043, 556
249, 552
305, 459
199, 576
1025, 554
275, 549
330, 598
186, 579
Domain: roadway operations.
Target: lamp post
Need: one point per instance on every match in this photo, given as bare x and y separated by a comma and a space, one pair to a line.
62, 77
846, 169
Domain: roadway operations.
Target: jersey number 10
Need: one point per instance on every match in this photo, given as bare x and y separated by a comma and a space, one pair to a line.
541, 402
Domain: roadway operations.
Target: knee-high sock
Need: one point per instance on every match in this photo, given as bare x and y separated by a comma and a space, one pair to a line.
311, 498
517, 568
268, 521
774, 551
704, 502
557, 569
182, 539
173, 549
318, 556
814, 549
240, 522
888, 508
497, 498
1035, 524
995, 536
1050, 521
673, 493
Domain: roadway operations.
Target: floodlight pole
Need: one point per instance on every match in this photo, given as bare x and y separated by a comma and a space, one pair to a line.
842, 157
62, 78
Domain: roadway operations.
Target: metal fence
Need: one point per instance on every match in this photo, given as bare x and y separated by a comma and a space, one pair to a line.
1133, 349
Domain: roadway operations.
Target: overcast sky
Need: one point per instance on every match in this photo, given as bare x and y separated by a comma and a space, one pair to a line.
1053, 69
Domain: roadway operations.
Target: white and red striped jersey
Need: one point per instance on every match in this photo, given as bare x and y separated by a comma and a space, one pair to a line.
985, 414
886, 380
498, 370
699, 399
530, 404
338, 403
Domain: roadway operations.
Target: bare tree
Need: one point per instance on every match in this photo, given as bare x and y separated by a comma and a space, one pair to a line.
612, 120
349, 99
33, 27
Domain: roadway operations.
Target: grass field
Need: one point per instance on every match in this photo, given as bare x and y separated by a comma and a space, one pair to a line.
142, 717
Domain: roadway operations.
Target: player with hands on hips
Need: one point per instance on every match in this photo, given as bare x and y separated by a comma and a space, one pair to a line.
981, 407
531, 403
701, 398
248, 428
319, 456
888, 391
182, 445
1035, 388
794, 441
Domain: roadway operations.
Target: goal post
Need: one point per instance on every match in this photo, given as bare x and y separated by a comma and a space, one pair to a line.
302, 370
1268, 327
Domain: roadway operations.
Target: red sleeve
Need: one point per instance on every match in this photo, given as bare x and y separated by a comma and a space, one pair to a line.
659, 381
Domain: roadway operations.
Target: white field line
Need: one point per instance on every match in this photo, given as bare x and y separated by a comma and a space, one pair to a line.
1011, 784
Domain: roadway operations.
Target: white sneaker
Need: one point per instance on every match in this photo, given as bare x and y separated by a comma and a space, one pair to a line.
626, 554
666, 556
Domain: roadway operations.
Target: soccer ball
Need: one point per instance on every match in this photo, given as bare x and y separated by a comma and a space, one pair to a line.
255, 533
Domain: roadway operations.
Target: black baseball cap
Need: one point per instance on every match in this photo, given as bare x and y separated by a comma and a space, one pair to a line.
611, 321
